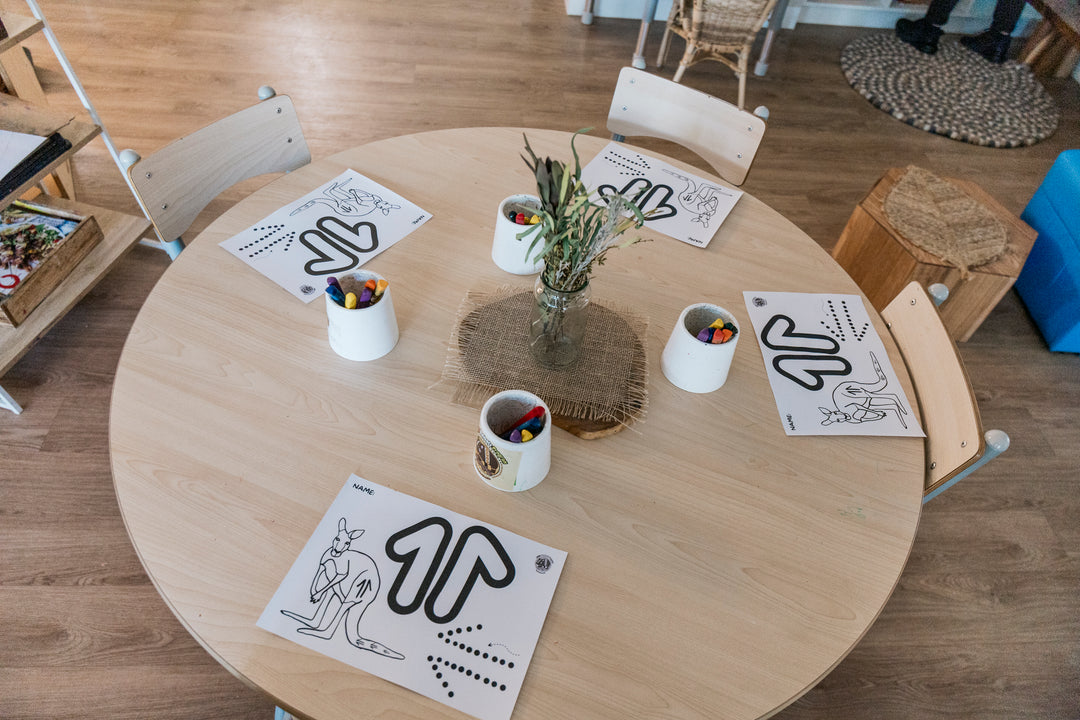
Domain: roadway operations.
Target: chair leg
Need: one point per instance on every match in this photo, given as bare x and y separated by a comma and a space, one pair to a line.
665, 42
8, 403
741, 72
586, 13
997, 442
687, 60
173, 248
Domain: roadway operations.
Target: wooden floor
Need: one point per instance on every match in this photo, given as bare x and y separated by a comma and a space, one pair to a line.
985, 622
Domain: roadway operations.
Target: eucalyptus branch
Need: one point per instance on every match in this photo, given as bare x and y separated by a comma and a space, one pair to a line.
577, 232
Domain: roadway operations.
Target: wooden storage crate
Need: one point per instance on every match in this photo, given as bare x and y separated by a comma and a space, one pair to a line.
882, 262
54, 267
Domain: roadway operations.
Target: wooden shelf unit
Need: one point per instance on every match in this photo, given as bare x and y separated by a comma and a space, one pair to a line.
120, 230
18, 28
24, 117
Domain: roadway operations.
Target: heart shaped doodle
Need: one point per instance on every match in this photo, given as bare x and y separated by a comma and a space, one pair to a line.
785, 338
643, 197
809, 370
335, 253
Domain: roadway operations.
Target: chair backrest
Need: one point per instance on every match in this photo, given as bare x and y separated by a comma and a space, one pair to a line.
950, 413
651, 106
178, 181
724, 22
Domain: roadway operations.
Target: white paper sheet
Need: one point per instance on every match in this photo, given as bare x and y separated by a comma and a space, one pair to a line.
14, 147
688, 207
421, 596
330, 231
827, 366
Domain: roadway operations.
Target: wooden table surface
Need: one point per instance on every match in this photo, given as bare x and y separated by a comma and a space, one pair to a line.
717, 568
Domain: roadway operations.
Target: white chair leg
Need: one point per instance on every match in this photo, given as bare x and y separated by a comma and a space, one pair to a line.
680, 71
997, 442
586, 13
8, 403
762, 65
665, 42
638, 60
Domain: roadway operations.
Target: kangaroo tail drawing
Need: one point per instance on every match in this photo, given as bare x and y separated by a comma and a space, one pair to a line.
877, 366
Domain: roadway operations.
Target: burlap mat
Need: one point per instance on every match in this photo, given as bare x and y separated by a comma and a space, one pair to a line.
939, 217
489, 352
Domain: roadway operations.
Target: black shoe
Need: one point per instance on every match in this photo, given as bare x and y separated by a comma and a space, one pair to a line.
920, 34
992, 45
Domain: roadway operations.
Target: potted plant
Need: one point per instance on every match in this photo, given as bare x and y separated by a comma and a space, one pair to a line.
573, 236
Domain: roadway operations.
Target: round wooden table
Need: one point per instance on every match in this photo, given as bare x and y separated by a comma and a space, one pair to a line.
717, 568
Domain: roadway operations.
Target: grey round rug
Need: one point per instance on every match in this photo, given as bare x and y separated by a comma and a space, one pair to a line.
955, 92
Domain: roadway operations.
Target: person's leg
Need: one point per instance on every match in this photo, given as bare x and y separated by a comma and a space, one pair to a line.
939, 11
1006, 15
993, 43
923, 34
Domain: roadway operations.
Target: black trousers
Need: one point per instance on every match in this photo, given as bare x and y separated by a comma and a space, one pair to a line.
1006, 14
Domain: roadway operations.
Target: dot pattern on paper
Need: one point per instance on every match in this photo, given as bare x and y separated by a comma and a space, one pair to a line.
635, 166
271, 235
835, 325
468, 659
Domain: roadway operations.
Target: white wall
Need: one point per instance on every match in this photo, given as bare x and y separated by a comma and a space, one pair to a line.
619, 8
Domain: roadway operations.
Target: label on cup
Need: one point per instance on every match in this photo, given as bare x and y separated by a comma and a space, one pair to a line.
497, 468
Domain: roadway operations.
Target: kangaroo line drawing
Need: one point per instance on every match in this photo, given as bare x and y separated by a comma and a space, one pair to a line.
859, 402
347, 580
349, 202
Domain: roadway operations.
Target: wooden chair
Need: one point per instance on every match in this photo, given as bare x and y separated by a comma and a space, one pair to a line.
955, 442
723, 135
177, 182
721, 30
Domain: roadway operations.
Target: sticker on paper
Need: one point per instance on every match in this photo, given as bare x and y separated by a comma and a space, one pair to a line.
829, 371
684, 206
330, 231
424, 597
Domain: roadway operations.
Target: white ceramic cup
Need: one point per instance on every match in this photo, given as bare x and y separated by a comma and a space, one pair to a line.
691, 364
507, 465
361, 333
508, 251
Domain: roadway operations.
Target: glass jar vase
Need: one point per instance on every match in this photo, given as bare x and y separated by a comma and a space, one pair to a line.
557, 323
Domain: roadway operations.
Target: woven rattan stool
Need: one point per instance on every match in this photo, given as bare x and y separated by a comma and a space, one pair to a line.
882, 261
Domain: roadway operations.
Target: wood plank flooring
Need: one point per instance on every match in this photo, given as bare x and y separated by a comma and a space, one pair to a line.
985, 622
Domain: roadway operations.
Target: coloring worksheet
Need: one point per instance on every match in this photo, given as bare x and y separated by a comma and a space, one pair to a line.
419, 595
686, 207
827, 366
330, 231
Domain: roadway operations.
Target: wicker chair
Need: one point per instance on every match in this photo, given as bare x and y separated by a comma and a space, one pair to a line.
721, 30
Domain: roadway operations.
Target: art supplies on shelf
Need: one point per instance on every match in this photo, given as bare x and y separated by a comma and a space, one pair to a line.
39, 247
23, 156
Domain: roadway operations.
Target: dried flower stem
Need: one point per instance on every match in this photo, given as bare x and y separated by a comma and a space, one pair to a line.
576, 231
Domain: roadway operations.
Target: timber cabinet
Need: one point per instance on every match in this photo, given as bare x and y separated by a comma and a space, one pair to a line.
54, 187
